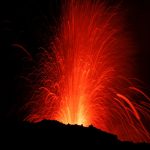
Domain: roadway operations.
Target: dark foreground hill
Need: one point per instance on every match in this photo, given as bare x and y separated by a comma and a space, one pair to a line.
53, 135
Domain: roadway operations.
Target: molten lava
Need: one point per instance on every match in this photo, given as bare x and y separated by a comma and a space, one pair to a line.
86, 75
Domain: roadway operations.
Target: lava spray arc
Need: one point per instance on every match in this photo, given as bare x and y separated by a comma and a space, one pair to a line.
85, 76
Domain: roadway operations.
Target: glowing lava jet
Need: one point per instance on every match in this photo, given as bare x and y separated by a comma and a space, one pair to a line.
85, 76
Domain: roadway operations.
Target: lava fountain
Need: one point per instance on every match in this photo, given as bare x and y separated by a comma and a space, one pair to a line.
86, 75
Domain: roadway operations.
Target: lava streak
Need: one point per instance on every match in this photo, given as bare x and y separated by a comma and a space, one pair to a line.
85, 76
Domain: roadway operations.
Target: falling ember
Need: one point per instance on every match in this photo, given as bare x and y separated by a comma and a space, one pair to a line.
85, 77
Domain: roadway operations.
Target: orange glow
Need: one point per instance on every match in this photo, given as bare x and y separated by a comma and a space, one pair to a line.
85, 80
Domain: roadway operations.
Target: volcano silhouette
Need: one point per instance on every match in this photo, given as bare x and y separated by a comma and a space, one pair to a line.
53, 134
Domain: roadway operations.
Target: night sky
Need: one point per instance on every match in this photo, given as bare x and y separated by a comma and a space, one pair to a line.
31, 24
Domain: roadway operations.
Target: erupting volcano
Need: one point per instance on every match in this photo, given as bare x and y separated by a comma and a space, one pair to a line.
86, 75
